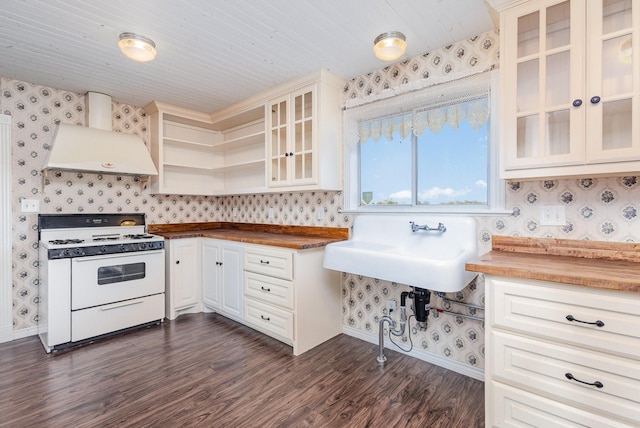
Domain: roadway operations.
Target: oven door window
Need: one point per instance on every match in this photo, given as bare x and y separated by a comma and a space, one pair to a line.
121, 273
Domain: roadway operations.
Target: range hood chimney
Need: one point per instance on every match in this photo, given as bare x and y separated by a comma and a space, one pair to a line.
96, 148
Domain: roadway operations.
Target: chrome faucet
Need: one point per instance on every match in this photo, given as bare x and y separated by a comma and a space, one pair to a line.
416, 227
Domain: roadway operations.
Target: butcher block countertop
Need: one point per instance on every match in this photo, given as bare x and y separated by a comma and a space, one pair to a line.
296, 237
599, 264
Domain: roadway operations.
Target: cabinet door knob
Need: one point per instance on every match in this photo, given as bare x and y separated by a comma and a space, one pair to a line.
177, 262
290, 153
286, 154
577, 103
595, 100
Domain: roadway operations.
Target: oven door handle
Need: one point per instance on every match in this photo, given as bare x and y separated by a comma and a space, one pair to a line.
116, 256
121, 305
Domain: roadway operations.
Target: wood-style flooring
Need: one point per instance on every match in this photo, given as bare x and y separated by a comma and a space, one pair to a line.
207, 371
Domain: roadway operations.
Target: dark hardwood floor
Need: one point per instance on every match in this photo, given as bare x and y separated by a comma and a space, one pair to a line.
205, 370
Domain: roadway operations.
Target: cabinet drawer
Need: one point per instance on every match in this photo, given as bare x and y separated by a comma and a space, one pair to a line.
516, 408
541, 367
541, 309
268, 261
269, 290
269, 318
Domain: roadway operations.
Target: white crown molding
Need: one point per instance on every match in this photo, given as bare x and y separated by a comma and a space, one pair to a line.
502, 5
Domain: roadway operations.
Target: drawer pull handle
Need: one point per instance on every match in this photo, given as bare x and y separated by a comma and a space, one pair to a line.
596, 323
265, 318
264, 262
597, 383
268, 290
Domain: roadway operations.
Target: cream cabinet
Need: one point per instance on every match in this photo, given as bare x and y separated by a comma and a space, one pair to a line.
304, 136
222, 289
289, 296
570, 103
286, 138
182, 277
200, 154
561, 355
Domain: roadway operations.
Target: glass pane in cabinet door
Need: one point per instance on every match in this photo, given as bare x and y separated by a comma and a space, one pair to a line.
528, 84
283, 113
528, 136
558, 17
299, 132
616, 125
308, 105
529, 34
616, 15
617, 76
274, 115
558, 75
275, 142
298, 107
557, 138
299, 162
308, 138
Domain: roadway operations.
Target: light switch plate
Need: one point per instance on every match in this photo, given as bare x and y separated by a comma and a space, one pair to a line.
30, 205
552, 215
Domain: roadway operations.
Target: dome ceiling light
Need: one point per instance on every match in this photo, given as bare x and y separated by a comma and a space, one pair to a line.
390, 46
137, 47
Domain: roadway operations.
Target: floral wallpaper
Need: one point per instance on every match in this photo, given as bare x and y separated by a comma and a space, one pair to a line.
596, 208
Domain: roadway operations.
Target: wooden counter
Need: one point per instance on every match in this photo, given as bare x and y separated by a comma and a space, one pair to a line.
609, 265
296, 237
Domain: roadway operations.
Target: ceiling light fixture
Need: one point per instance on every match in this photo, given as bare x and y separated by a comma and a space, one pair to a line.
390, 46
138, 48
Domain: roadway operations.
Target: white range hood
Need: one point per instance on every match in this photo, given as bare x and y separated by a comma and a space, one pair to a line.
96, 148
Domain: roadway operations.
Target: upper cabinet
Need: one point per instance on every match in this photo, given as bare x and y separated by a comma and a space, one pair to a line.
304, 137
570, 88
287, 138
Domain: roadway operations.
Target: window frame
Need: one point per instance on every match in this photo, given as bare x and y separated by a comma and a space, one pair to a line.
408, 102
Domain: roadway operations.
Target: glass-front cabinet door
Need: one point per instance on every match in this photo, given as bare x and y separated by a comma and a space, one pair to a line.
543, 85
278, 114
292, 138
303, 156
613, 87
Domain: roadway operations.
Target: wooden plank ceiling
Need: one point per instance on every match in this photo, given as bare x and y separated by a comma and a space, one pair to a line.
212, 53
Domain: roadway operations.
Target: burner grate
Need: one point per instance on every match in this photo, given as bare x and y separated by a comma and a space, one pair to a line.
66, 241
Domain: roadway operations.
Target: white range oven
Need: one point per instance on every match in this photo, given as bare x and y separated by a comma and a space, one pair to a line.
100, 274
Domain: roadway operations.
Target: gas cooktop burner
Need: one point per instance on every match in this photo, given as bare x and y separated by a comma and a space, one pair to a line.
139, 236
107, 238
66, 241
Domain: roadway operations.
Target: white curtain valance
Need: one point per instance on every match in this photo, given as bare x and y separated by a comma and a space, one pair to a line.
427, 108
475, 112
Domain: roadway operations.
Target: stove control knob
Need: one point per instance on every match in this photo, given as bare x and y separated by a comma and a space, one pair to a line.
66, 253
143, 245
78, 252
103, 249
122, 247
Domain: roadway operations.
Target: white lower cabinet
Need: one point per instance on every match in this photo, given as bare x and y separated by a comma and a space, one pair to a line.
222, 277
290, 296
182, 277
281, 292
561, 355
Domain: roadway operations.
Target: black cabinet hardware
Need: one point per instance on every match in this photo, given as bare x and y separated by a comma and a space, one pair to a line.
597, 323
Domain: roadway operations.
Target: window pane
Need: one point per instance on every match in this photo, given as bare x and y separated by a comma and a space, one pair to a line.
452, 166
385, 171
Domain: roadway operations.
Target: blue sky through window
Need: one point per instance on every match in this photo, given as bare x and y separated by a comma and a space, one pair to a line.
452, 168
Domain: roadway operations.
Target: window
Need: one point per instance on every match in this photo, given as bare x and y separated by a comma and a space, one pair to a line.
432, 151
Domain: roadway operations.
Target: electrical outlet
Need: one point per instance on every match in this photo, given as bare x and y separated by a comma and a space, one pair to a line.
234, 211
391, 306
270, 213
320, 214
30, 205
552, 215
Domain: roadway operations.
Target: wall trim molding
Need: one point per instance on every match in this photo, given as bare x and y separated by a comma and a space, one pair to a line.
25, 332
6, 212
437, 360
